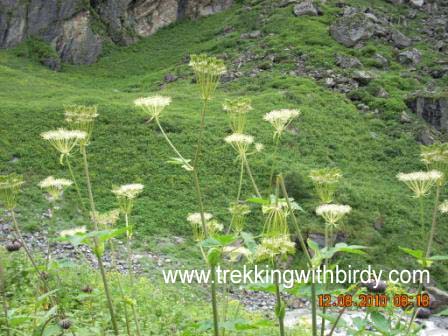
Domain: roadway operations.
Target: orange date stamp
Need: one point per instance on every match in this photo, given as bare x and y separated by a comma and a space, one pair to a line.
374, 300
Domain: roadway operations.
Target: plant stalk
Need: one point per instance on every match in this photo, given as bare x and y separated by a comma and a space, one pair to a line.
78, 191
99, 258
4, 299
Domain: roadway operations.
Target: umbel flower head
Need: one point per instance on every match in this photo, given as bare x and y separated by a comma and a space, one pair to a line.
325, 182
55, 186
435, 157
81, 117
235, 253
106, 219
275, 223
239, 212
443, 207
208, 70
195, 220
237, 110
333, 213
273, 247
240, 142
420, 182
64, 140
280, 119
9, 188
153, 105
126, 194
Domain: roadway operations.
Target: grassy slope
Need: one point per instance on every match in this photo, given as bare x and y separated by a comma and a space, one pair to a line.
369, 149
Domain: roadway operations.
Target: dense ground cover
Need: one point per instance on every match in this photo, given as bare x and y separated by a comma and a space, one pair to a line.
369, 148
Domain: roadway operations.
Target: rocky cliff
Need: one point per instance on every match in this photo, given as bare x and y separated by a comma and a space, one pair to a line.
77, 29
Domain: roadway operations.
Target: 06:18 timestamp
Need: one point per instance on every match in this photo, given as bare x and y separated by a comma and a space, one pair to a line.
374, 300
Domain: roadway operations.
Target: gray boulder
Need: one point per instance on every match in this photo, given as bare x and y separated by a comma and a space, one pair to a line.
400, 40
433, 108
350, 30
306, 7
439, 298
410, 57
347, 62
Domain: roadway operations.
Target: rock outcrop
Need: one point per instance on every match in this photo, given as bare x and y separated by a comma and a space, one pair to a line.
431, 107
77, 28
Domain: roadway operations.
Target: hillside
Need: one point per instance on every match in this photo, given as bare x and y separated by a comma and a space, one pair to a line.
354, 117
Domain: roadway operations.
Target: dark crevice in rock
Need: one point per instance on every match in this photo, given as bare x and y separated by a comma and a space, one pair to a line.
182, 9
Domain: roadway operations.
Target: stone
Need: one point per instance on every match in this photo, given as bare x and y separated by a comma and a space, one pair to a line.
251, 35
53, 63
169, 78
410, 57
417, 3
362, 77
306, 7
352, 29
347, 62
381, 60
375, 287
423, 313
400, 40
382, 93
426, 138
67, 25
405, 118
439, 299
433, 108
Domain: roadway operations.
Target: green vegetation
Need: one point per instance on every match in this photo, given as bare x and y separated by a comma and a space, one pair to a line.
369, 148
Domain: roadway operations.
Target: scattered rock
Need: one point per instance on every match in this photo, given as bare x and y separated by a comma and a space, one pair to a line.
251, 35
405, 118
381, 60
53, 63
362, 77
306, 7
382, 93
347, 62
400, 40
423, 313
426, 137
417, 3
350, 30
433, 108
410, 57
169, 78
439, 299
375, 287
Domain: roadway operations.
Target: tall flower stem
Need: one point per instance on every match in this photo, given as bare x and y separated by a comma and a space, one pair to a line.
305, 250
4, 299
99, 258
327, 246
72, 175
131, 275
274, 156
254, 184
428, 246
214, 301
50, 226
240, 184
279, 305
120, 288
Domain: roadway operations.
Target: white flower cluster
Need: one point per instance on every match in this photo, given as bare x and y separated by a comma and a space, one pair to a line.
272, 247
235, 253
280, 119
57, 183
332, 213
420, 182
64, 140
129, 191
153, 105
195, 218
237, 106
106, 219
443, 207
240, 142
204, 64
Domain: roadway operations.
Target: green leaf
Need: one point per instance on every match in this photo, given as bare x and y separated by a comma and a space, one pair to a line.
380, 322
258, 200
262, 287
418, 254
249, 241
